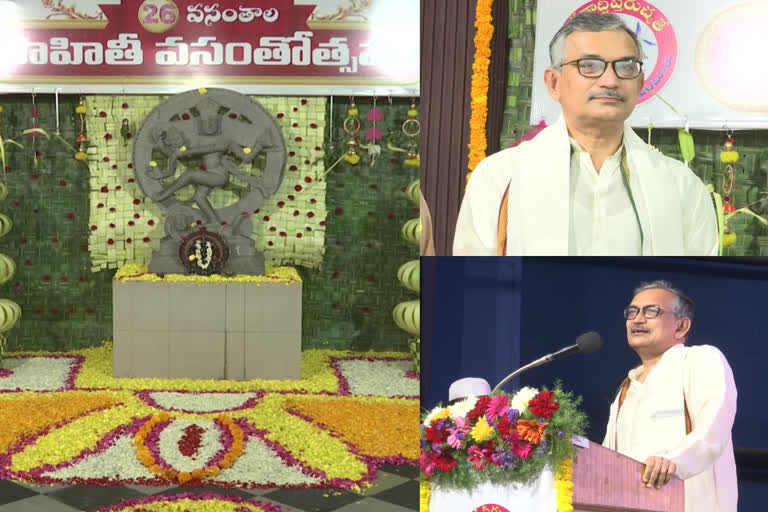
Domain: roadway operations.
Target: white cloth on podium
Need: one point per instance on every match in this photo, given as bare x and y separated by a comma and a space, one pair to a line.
538, 496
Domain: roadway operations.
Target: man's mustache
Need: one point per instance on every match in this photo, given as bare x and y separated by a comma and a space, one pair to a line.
607, 93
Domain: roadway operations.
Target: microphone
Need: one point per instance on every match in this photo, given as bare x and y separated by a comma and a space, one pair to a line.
587, 342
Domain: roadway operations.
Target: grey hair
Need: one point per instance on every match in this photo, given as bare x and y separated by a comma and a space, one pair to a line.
683, 305
588, 22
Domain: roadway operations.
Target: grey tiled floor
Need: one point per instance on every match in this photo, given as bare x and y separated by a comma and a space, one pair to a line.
395, 490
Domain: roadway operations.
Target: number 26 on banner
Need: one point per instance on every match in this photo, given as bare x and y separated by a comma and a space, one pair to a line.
158, 15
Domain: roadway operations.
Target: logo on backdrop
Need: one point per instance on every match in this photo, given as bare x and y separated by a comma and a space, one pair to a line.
490, 507
656, 35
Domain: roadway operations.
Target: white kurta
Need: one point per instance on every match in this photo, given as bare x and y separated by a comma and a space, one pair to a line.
652, 422
602, 220
676, 211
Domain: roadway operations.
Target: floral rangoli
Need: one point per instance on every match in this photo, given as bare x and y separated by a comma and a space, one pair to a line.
66, 420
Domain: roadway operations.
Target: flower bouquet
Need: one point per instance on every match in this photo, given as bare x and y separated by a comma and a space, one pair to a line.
501, 439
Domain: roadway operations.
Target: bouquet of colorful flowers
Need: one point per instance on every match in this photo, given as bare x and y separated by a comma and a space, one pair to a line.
500, 438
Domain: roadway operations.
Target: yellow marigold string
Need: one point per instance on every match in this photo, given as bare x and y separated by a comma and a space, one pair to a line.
478, 142
424, 495
564, 486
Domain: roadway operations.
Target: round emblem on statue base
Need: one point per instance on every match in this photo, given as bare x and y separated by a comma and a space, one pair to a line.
204, 253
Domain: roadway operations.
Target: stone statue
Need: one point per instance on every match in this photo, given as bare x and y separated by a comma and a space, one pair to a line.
212, 132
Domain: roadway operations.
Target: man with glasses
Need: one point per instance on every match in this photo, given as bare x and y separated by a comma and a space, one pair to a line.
587, 185
674, 412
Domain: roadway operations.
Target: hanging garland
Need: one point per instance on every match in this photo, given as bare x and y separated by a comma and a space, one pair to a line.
479, 92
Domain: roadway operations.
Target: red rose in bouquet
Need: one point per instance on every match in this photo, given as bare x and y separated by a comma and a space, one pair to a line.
542, 405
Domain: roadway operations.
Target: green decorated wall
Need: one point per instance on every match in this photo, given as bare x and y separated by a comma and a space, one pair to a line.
75, 222
751, 171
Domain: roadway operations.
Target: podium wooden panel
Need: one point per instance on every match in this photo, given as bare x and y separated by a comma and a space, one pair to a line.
607, 481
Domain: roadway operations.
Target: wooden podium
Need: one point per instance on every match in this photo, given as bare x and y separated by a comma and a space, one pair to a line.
607, 481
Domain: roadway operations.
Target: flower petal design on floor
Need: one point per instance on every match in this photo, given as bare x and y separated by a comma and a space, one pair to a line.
191, 402
359, 377
314, 434
188, 502
48, 373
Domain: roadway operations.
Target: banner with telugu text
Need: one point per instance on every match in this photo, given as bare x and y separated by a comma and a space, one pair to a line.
317, 47
702, 57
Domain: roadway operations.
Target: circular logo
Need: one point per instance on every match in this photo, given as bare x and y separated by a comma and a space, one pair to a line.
158, 16
655, 33
490, 507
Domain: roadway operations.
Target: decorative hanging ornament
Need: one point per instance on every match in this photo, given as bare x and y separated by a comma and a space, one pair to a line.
81, 138
351, 127
34, 131
373, 134
411, 129
730, 157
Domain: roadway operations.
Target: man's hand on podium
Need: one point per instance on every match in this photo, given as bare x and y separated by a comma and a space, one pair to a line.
657, 471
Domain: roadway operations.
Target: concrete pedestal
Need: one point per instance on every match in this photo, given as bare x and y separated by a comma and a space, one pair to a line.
238, 331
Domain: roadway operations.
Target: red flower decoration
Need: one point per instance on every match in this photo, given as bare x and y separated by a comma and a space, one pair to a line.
336, 275
371, 278
185, 116
102, 114
309, 228
339, 210
299, 235
313, 200
279, 115
445, 463
297, 188
281, 203
266, 218
293, 168
107, 136
63, 183
54, 240
308, 179
372, 186
70, 215
151, 222
542, 405
105, 189
296, 213
145, 239
291, 197
479, 409
93, 228
110, 241
310, 214
136, 201
64, 279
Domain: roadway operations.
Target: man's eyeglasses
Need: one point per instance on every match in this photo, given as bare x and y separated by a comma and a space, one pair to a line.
594, 68
650, 311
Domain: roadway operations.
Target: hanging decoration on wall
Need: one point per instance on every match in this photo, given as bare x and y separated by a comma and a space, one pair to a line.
411, 129
34, 131
81, 138
351, 127
728, 157
373, 134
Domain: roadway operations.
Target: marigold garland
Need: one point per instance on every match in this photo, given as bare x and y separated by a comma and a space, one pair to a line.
564, 486
478, 142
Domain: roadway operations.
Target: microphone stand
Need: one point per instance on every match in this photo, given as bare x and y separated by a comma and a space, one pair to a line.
534, 364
